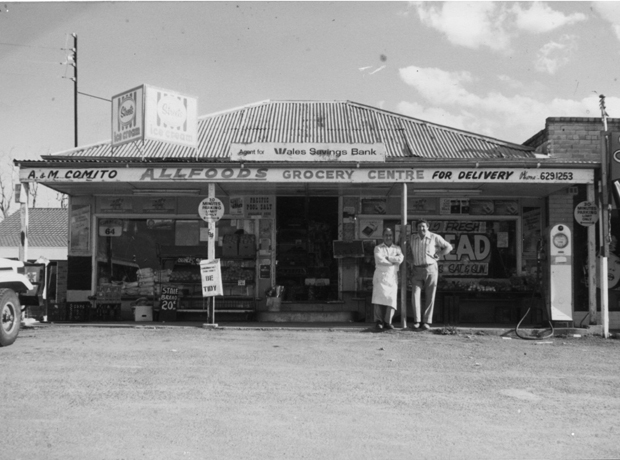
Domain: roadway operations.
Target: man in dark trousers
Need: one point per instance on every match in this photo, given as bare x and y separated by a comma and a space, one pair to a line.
426, 248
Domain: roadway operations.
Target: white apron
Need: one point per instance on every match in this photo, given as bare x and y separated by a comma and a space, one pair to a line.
385, 278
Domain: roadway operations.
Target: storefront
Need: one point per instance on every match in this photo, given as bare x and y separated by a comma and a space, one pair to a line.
307, 189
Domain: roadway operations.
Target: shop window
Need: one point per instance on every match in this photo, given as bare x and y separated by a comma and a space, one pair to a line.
483, 250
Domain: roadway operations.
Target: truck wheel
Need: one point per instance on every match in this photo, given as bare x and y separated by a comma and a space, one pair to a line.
10, 317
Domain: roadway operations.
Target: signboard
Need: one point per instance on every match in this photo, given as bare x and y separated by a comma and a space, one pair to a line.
586, 213
117, 204
211, 277
170, 117
79, 229
374, 206
169, 299
263, 206
283, 174
476, 247
265, 268
211, 209
128, 116
110, 227
159, 205
307, 152
371, 228
344, 249
614, 173
237, 207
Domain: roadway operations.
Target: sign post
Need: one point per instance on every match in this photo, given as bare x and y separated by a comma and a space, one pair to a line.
211, 210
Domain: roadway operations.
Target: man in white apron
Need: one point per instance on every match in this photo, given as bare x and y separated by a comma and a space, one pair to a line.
388, 258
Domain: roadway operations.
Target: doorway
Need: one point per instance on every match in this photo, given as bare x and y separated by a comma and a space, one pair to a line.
305, 265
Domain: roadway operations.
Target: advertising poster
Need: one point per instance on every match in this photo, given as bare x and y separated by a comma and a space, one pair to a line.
211, 277
263, 206
477, 248
80, 228
236, 206
371, 228
481, 207
159, 205
506, 208
115, 204
418, 205
265, 268
531, 230
374, 205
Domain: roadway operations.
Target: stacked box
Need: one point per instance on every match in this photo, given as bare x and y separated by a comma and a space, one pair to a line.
247, 246
146, 281
230, 246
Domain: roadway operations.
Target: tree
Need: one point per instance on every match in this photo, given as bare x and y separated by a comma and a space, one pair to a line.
7, 190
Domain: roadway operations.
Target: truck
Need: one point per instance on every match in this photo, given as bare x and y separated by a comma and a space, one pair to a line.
12, 284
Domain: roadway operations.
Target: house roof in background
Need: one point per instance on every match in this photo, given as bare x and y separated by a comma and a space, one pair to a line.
47, 227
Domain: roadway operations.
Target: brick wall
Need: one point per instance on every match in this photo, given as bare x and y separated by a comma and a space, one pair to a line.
572, 138
561, 209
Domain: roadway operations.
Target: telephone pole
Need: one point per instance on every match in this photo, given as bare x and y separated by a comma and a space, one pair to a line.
74, 55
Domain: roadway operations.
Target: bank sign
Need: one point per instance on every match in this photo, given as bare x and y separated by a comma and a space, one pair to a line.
312, 153
152, 113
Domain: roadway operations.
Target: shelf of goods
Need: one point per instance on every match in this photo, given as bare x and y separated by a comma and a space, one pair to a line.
238, 277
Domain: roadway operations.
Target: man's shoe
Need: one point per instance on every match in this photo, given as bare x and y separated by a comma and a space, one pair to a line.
425, 326
379, 325
416, 325
388, 326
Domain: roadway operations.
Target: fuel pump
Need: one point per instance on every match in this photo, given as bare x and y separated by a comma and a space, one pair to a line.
560, 273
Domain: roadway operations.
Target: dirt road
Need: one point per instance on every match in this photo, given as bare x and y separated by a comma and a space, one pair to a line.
192, 393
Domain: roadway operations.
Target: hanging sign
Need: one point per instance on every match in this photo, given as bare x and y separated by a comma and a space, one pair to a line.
211, 277
110, 227
586, 213
211, 209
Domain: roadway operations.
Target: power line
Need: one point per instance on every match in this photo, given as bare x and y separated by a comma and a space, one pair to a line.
30, 46
96, 97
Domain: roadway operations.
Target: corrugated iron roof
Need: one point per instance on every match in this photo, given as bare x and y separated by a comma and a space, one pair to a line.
47, 227
313, 122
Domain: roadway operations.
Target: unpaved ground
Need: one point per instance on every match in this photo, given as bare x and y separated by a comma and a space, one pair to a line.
191, 393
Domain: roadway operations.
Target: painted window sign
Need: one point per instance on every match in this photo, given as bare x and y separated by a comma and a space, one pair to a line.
481, 248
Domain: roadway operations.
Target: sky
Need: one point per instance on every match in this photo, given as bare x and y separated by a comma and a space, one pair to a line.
497, 69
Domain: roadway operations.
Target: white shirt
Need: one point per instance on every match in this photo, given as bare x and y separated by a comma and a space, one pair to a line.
425, 249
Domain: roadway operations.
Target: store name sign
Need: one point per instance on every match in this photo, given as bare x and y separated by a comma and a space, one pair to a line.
161, 115
301, 152
310, 175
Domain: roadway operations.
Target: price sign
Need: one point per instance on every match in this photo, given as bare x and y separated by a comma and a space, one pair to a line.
110, 227
211, 209
169, 299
